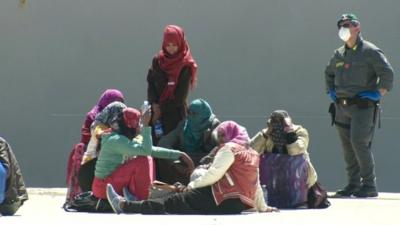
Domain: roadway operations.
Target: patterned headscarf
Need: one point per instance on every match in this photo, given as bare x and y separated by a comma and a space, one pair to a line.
199, 119
234, 133
276, 129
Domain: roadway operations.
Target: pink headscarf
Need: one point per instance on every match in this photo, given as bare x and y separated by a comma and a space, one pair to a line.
108, 96
234, 133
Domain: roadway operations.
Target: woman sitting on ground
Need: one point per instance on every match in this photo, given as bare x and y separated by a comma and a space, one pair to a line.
193, 135
104, 120
125, 162
74, 187
230, 185
285, 165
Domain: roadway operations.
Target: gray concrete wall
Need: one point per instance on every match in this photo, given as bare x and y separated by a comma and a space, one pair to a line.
57, 56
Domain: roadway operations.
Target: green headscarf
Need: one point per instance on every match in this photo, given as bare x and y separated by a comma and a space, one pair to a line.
199, 119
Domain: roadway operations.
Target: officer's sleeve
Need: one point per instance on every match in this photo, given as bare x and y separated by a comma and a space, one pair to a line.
330, 74
383, 69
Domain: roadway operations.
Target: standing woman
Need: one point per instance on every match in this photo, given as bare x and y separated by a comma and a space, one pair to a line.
172, 73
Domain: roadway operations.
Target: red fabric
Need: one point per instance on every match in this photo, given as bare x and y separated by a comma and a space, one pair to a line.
136, 174
131, 117
241, 179
73, 167
85, 130
173, 64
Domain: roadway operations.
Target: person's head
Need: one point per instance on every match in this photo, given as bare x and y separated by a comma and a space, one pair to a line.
230, 131
109, 96
198, 120
279, 124
128, 122
349, 27
280, 121
174, 40
199, 112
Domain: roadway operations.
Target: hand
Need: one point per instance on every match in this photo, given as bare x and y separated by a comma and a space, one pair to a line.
271, 209
206, 160
383, 91
289, 127
145, 118
332, 94
156, 112
371, 95
179, 187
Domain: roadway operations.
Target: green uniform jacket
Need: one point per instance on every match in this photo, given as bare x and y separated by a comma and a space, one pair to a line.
361, 68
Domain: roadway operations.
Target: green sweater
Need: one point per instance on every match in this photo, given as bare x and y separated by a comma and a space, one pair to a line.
115, 148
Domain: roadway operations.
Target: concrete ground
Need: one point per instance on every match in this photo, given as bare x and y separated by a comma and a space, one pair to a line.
44, 207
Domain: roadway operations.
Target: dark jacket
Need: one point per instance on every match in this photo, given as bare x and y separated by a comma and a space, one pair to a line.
361, 68
173, 110
16, 190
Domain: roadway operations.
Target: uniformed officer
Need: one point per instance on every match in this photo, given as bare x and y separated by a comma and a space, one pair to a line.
357, 77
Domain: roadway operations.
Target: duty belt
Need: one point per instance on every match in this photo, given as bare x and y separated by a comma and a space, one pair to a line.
360, 102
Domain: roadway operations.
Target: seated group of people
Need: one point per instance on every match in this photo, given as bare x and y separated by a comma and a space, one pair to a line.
219, 168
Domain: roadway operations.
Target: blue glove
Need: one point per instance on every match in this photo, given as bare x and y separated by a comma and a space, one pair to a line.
332, 94
372, 95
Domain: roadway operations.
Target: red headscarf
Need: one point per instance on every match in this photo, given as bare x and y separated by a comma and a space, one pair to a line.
131, 117
173, 64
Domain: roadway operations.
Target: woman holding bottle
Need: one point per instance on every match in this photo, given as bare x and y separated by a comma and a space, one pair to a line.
171, 75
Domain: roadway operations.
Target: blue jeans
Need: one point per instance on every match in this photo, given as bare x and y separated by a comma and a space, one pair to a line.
3, 179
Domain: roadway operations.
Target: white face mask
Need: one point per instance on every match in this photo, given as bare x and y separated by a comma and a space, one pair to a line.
344, 34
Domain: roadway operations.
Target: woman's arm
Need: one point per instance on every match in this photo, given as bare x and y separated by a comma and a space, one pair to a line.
152, 95
259, 141
301, 144
222, 161
171, 140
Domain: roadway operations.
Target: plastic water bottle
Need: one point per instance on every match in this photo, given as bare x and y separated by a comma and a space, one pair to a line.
265, 193
146, 106
158, 129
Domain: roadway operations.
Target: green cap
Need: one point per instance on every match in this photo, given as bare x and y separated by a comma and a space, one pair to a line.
347, 17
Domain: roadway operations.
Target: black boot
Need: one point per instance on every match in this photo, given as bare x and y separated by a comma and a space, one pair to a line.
347, 191
366, 191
